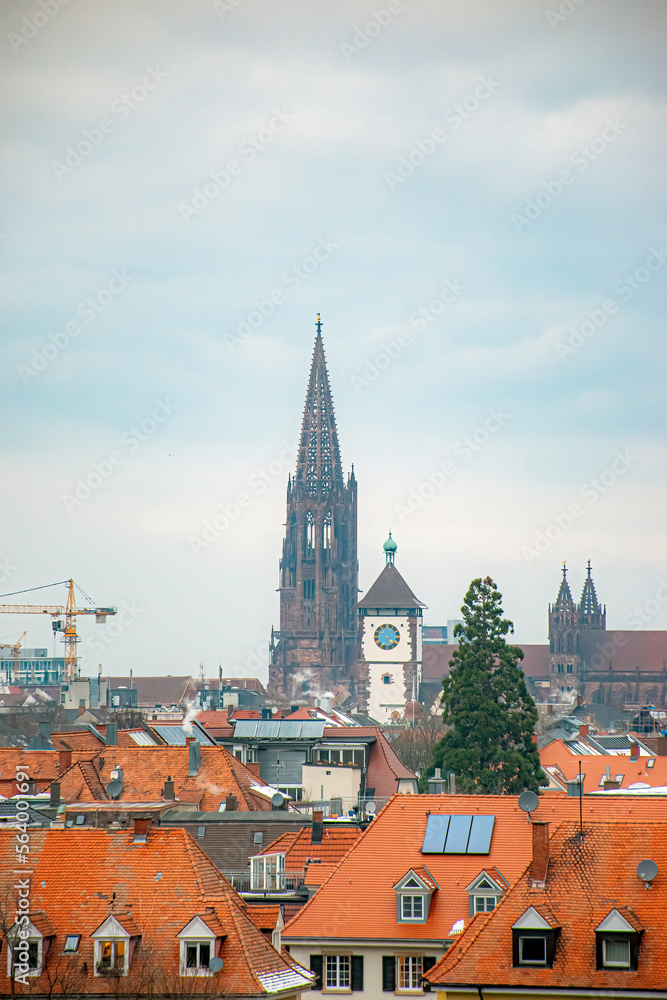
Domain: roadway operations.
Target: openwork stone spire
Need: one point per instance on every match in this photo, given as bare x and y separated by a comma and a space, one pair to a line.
564, 599
319, 465
589, 604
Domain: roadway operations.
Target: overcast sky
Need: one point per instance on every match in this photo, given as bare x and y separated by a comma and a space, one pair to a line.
471, 192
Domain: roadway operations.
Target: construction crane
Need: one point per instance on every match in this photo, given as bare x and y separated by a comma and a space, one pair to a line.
64, 619
14, 646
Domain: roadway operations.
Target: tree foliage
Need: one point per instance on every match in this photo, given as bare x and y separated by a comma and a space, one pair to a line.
485, 702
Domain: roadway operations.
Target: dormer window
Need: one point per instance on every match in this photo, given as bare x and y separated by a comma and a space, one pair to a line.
617, 941
484, 893
413, 896
534, 938
267, 873
199, 943
114, 944
26, 954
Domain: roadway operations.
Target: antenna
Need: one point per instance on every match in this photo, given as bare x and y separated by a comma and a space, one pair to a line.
528, 801
647, 871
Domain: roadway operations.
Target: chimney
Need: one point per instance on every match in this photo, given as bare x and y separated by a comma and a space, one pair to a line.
168, 792
230, 803
64, 760
254, 767
540, 852
141, 828
195, 757
54, 795
634, 751
45, 730
112, 734
189, 740
583, 732
318, 826
535, 738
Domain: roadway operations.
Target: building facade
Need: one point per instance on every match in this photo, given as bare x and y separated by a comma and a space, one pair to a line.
567, 623
315, 646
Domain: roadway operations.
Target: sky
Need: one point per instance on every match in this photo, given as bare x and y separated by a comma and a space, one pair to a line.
470, 192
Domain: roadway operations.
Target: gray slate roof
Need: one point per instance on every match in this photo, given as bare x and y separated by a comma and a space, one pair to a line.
390, 591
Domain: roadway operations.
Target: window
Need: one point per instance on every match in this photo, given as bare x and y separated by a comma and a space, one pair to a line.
412, 907
71, 944
19, 956
560, 668
337, 974
197, 955
409, 969
484, 904
110, 957
267, 873
532, 950
569, 668
294, 791
651, 762
616, 953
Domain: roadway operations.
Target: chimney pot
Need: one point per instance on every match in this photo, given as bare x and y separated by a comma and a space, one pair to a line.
583, 732
64, 760
634, 751
318, 827
189, 740
540, 851
141, 828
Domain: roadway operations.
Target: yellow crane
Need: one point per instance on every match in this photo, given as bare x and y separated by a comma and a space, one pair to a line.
14, 646
64, 619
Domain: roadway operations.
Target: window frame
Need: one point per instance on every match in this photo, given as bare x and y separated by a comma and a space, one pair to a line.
415, 964
34, 938
535, 936
412, 917
477, 896
338, 956
71, 937
265, 876
114, 968
616, 939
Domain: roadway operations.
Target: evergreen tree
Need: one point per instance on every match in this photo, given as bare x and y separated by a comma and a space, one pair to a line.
492, 717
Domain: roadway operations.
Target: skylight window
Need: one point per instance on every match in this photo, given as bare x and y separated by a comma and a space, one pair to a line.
458, 834
650, 762
71, 944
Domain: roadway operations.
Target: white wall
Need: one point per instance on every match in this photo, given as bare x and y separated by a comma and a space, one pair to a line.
320, 781
372, 961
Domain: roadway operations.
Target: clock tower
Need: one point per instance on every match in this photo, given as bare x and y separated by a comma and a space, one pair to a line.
390, 625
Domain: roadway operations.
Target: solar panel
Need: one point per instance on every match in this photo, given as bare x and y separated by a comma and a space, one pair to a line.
436, 832
175, 736
479, 840
289, 730
457, 835
246, 728
313, 730
268, 729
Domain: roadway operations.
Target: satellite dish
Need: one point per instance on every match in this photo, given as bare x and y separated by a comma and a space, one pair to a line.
370, 807
647, 870
277, 799
528, 801
215, 965
114, 788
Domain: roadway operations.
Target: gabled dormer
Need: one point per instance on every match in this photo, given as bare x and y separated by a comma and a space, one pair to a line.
534, 938
200, 942
28, 943
413, 896
618, 938
485, 892
115, 940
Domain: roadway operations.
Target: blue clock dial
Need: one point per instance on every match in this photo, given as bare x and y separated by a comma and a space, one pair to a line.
386, 636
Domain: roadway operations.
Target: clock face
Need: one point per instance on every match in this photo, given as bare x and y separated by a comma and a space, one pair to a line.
387, 636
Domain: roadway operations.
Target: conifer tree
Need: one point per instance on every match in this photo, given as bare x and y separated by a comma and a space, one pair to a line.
485, 701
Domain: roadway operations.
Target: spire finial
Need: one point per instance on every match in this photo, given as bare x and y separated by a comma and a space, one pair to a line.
390, 547
564, 569
589, 567
319, 324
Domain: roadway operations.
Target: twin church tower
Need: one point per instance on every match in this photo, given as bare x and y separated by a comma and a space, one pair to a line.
327, 637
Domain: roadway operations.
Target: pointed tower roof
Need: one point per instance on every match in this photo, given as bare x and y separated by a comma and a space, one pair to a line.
564, 598
390, 589
319, 453
589, 600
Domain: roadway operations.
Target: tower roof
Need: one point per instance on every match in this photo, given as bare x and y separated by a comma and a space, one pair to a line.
319, 453
589, 601
389, 591
564, 599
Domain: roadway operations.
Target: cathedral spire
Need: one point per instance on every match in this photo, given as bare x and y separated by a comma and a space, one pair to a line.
319, 465
589, 602
564, 598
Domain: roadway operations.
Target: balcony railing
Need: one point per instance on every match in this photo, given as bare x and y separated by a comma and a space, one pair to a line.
265, 883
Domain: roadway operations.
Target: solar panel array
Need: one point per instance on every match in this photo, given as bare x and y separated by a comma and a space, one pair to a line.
175, 736
447, 834
278, 729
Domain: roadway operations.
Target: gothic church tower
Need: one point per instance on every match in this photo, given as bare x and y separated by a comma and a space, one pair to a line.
566, 623
316, 645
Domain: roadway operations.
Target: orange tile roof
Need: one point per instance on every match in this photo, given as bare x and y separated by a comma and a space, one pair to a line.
319, 874
594, 766
359, 901
299, 848
80, 877
585, 882
145, 770
40, 765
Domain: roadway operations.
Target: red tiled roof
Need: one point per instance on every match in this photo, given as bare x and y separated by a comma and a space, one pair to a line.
436, 658
40, 765
594, 766
299, 848
585, 881
359, 901
145, 770
153, 890
319, 874
385, 770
